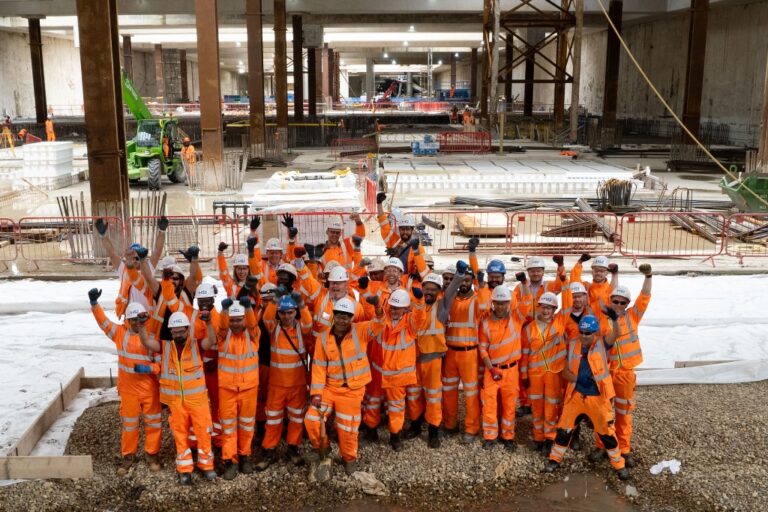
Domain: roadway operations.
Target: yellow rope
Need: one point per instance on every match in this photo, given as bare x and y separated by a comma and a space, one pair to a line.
669, 109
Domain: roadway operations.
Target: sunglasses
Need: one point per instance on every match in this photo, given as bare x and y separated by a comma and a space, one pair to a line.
621, 302
586, 333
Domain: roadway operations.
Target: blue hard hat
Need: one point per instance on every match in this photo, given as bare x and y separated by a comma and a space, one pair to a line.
496, 266
286, 303
135, 247
589, 324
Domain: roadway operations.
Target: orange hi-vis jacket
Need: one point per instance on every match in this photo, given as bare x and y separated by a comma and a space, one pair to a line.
415, 263
597, 357
626, 352
188, 154
323, 310
264, 270
430, 338
130, 352
238, 354
232, 287
543, 351
167, 301
555, 286
398, 344
182, 380
464, 320
130, 280
598, 293
500, 337
344, 364
571, 326
344, 252
288, 349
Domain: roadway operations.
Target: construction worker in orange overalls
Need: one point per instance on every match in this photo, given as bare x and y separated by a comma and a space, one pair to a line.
543, 360
600, 288
625, 356
188, 152
136, 384
337, 289
240, 271
401, 245
340, 371
182, 389
337, 248
50, 135
589, 393
237, 343
501, 351
288, 376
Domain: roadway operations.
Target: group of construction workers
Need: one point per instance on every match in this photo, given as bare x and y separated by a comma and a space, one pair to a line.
310, 336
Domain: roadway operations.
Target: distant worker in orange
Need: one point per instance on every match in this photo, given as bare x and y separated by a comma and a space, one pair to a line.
50, 135
188, 152
166, 147
136, 384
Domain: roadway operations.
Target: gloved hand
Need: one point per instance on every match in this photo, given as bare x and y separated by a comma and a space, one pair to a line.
298, 263
413, 243
192, 253
381, 197
223, 246
287, 220
461, 268
520, 276
255, 222
495, 373
143, 369
280, 291
101, 227
562, 277
298, 299
245, 302
365, 262
355, 217
142, 253
613, 268
559, 260
645, 269
251, 282
373, 300
357, 241
418, 293
481, 278
226, 304
585, 256
167, 274
310, 251
251, 244
473, 243
610, 313
316, 401
292, 232
93, 296
162, 223
362, 283
299, 252
319, 250
391, 252
205, 315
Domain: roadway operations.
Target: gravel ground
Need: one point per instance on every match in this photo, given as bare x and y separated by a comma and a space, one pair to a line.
722, 454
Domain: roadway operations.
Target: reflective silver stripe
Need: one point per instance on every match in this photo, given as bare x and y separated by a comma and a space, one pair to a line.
403, 343
246, 419
286, 366
105, 324
461, 338
239, 371
246, 427
352, 430
347, 417
228, 421
169, 391
152, 416
153, 425
187, 462
293, 410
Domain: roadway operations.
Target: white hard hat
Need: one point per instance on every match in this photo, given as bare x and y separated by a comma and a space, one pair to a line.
577, 287
434, 279
176, 269
178, 319
268, 288
428, 259
600, 261
334, 223
330, 266
273, 244
134, 309
287, 267
450, 269
166, 262
344, 305
536, 262
240, 260
338, 275
236, 310
395, 262
622, 291
548, 299
205, 291
501, 294
406, 221
400, 299
377, 265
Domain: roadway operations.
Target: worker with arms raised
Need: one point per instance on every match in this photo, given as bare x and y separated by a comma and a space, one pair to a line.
401, 245
600, 289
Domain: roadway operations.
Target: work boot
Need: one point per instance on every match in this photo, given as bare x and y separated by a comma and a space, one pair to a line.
597, 455
523, 410
451, 431
629, 460
551, 466
125, 465
575, 441
293, 455
538, 446
230, 470
267, 457
509, 445
371, 433
350, 467
395, 442
246, 466
153, 461
414, 430
434, 437
211, 475
547, 447
488, 444
469, 438
622, 474
185, 478
258, 436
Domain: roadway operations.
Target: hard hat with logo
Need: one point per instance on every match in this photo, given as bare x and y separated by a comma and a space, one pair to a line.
268, 288
450, 269
178, 319
622, 291
330, 266
240, 260
236, 310
338, 275
406, 221
589, 324
287, 267
273, 244
377, 265
434, 279
334, 223
166, 262
501, 294
495, 266
536, 262
548, 299
600, 261
205, 291
134, 310
577, 287
395, 262
400, 299
286, 303
344, 305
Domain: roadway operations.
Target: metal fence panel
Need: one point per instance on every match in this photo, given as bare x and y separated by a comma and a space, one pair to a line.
9, 249
449, 231
204, 231
747, 235
311, 226
464, 142
672, 234
66, 239
572, 232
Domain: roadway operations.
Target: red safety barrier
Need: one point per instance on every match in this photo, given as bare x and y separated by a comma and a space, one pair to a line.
747, 235
72, 239
8, 247
431, 106
550, 233
204, 231
343, 148
464, 142
371, 189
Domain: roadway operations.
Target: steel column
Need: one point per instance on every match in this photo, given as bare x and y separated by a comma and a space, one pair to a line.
508, 56
253, 20
762, 152
562, 61
183, 76
38, 75
159, 74
207, 22
128, 56
312, 81
610, 96
694, 71
331, 76
473, 76
370, 80
494, 85
337, 77
579, 4
453, 71
530, 73
324, 77
298, 69
281, 69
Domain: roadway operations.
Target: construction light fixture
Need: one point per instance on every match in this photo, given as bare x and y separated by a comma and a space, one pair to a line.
394, 62
239, 63
439, 63
411, 29
386, 55
405, 43
238, 44
456, 54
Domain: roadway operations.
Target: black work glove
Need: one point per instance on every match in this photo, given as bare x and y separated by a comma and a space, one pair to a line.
93, 296
281, 291
251, 282
357, 241
610, 313
287, 220
473, 243
292, 232
645, 268
373, 300
413, 243
461, 268
162, 223
223, 246
226, 304
417, 292
613, 268
192, 253
101, 227
310, 250
142, 252
245, 302
362, 283
520, 276
255, 222
391, 252
381, 197
559, 260
585, 256
319, 251
296, 296
251, 244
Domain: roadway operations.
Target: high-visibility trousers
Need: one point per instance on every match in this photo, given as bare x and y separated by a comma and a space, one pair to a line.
414, 400
373, 400
212, 383
431, 380
461, 366
522, 398
238, 419
261, 402
346, 402
182, 417
624, 383
500, 392
395, 407
148, 406
546, 396
279, 399
600, 412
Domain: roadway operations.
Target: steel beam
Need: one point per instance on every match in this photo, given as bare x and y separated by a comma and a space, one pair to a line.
253, 20
508, 55
210, 88
610, 96
38, 75
183, 76
312, 81
281, 68
128, 56
103, 105
762, 151
298, 69
694, 71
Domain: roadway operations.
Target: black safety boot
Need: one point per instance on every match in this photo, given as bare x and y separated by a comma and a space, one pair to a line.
629, 460
523, 410
547, 447
230, 470
246, 466
395, 442
551, 466
509, 445
597, 455
414, 430
575, 441
488, 444
622, 474
434, 437
267, 457
371, 434
293, 455
185, 478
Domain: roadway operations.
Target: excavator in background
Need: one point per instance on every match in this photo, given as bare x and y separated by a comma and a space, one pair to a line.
155, 151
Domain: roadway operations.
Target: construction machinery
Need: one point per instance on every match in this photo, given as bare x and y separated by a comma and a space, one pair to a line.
155, 151
749, 192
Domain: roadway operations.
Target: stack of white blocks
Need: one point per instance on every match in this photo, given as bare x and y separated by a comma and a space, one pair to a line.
48, 165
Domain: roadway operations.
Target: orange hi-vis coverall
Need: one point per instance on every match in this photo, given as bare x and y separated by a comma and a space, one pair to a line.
543, 359
287, 378
597, 407
322, 319
461, 362
232, 287
500, 342
344, 251
340, 371
599, 294
238, 384
182, 389
139, 393
188, 154
50, 134
398, 367
411, 262
132, 287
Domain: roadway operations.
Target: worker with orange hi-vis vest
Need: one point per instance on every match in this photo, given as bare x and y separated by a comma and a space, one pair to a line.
136, 383
337, 248
340, 371
182, 389
402, 245
599, 289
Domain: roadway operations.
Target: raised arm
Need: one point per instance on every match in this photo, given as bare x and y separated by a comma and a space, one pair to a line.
159, 245
151, 343
102, 228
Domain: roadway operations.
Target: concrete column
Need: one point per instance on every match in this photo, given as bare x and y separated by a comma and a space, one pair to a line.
324, 73
694, 72
533, 36
337, 77
253, 15
207, 25
473, 76
331, 74
128, 56
183, 76
370, 79
508, 56
159, 80
409, 85
453, 70
103, 104
561, 60
493, 98
38, 75
312, 81
172, 75
579, 4
298, 69
281, 71
611, 94
762, 151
